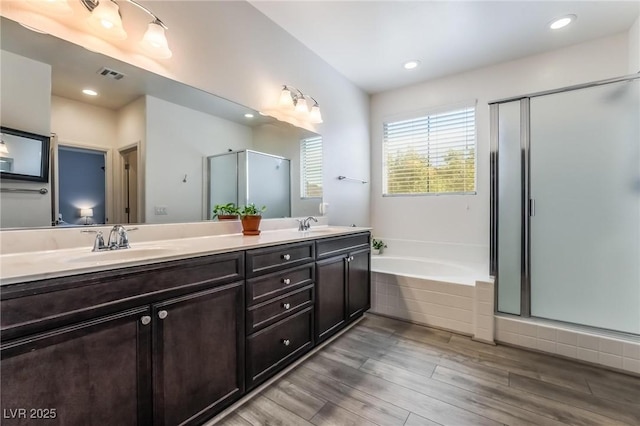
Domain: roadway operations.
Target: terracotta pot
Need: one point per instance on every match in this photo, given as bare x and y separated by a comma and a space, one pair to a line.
251, 224
227, 217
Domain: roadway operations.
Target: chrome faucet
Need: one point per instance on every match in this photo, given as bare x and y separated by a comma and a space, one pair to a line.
118, 238
304, 224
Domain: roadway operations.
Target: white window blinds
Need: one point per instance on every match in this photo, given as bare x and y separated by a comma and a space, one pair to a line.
433, 154
311, 167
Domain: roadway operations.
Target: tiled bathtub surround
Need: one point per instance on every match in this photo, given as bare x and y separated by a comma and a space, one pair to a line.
466, 309
616, 352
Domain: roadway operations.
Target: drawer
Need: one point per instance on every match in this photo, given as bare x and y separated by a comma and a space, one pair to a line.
40, 305
263, 288
267, 313
272, 348
333, 246
262, 261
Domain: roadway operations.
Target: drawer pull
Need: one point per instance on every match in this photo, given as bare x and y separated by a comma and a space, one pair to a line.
286, 281
286, 305
286, 256
286, 342
162, 314
145, 320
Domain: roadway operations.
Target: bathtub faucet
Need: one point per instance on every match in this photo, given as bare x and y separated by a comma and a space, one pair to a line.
304, 224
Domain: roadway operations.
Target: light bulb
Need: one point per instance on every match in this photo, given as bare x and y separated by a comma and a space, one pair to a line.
301, 105
285, 98
154, 42
315, 116
106, 18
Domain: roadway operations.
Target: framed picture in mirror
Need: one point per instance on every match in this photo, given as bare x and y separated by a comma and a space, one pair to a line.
24, 155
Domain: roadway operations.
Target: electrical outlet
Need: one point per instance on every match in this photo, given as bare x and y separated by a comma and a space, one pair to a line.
160, 210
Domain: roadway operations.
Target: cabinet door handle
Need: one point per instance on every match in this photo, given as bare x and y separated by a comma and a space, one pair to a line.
286, 281
162, 314
286, 342
286, 256
286, 305
145, 320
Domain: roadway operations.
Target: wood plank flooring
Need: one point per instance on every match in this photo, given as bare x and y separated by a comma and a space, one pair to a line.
391, 373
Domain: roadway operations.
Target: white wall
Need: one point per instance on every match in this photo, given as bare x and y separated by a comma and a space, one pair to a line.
465, 219
25, 104
634, 47
177, 139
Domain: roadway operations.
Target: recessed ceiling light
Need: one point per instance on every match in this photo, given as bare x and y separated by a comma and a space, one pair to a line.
409, 65
248, 115
90, 92
562, 22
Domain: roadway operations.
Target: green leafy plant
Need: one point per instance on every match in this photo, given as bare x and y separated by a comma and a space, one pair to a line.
251, 210
378, 244
228, 209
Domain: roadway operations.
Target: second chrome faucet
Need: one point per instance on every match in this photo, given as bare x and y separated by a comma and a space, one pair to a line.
304, 224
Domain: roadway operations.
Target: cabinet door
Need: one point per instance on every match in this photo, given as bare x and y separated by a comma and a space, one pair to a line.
92, 373
198, 354
358, 283
330, 296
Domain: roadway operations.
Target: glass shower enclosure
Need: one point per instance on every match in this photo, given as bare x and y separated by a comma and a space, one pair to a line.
566, 204
246, 177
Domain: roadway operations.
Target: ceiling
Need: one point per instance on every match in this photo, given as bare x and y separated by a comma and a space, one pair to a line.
368, 42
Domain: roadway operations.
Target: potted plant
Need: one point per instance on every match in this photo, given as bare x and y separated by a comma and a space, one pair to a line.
227, 211
250, 215
378, 246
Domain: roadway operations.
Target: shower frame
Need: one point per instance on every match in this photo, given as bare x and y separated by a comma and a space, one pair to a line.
527, 204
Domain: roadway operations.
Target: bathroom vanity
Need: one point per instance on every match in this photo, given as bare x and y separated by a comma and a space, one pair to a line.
176, 341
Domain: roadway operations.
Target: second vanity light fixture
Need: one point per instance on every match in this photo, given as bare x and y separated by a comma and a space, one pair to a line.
106, 17
292, 98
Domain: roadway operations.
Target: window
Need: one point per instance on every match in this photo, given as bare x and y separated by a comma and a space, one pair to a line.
433, 154
311, 167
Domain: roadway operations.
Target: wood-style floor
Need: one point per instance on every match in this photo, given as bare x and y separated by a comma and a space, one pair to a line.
386, 372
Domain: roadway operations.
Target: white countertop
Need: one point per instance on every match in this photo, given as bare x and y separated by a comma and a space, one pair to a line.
36, 265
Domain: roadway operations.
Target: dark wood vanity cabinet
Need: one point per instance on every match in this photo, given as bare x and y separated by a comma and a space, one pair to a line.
198, 354
177, 357
175, 342
93, 373
343, 282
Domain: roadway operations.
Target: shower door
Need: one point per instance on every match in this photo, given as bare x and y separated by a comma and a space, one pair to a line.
585, 206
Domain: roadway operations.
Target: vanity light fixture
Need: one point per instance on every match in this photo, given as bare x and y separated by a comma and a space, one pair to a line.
562, 22
107, 18
248, 115
90, 92
298, 102
409, 65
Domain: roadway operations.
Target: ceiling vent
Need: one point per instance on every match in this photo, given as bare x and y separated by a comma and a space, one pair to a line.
110, 73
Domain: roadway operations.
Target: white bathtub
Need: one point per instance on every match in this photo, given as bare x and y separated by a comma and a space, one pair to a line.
424, 268
433, 292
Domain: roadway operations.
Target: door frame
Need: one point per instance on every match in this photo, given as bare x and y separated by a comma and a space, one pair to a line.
55, 177
119, 193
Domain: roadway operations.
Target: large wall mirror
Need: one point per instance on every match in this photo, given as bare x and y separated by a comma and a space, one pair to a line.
137, 152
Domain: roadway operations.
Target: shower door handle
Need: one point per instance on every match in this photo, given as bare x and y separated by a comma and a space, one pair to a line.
532, 207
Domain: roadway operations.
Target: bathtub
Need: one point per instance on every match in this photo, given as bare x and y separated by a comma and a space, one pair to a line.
424, 268
432, 292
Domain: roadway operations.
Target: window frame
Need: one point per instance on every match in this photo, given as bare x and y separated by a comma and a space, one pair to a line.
302, 169
424, 113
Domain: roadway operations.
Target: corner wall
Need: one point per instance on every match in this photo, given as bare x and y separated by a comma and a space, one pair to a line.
25, 104
464, 219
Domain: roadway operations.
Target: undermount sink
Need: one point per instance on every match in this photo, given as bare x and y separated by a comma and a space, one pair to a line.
122, 254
